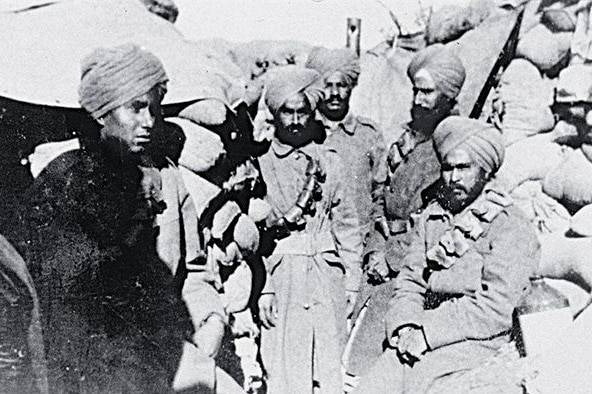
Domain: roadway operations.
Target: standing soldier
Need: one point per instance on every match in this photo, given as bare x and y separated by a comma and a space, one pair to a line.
437, 75
356, 139
112, 314
316, 255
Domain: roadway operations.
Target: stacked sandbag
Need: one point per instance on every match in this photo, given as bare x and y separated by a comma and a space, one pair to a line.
202, 148
451, 21
479, 49
545, 49
570, 183
545, 213
523, 159
524, 102
256, 57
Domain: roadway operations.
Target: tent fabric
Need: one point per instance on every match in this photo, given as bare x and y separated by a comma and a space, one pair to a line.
42, 65
384, 93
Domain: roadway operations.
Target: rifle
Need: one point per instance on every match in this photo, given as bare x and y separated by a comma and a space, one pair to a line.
503, 60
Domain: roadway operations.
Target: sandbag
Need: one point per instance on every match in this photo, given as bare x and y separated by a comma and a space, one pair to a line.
206, 112
581, 222
570, 183
451, 21
543, 48
202, 147
546, 214
523, 160
524, 100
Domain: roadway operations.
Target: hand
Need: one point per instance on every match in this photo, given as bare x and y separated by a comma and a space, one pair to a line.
382, 225
268, 312
376, 267
411, 344
351, 297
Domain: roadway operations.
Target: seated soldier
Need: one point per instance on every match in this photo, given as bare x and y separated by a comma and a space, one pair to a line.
469, 261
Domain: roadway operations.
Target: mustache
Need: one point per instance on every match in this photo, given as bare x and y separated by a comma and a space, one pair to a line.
295, 128
334, 98
457, 186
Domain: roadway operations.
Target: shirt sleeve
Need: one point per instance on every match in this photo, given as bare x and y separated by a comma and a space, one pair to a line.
406, 306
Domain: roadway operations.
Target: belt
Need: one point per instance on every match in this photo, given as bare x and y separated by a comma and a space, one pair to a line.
306, 244
398, 226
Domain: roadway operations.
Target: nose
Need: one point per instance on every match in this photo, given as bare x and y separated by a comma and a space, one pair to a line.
295, 118
146, 118
333, 91
455, 175
419, 98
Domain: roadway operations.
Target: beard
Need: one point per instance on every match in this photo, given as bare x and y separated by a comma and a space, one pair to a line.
426, 120
456, 197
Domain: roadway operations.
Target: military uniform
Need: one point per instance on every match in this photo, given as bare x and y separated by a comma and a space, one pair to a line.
360, 144
416, 168
112, 314
309, 272
460, 281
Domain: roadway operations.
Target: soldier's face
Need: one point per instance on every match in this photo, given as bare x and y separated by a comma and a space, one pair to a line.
128, 128
336, 95
430, 105
293, 119
463, 179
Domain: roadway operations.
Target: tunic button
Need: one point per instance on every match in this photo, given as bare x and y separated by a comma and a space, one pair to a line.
306, 306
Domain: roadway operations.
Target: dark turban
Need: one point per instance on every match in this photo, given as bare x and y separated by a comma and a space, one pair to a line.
444, 67
481, 140
327, 61
113, 76
284, 82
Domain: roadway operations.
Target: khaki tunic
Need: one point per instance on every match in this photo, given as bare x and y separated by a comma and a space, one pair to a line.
360, 144
465, 310
309, 272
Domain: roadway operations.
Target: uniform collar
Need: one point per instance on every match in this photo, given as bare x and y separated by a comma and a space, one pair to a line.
348, 124
281, 150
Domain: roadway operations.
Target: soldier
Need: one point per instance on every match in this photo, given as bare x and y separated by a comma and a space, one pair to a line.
316, 256
108, 282
356, 139
437, 76
469, 261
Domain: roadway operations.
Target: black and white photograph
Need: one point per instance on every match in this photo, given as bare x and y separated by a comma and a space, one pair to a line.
296, 196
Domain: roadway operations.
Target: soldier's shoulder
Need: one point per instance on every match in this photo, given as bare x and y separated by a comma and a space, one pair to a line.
367, 122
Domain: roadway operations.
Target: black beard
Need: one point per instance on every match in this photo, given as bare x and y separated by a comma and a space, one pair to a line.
426, 120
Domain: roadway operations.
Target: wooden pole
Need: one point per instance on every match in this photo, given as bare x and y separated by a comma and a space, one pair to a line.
354, 26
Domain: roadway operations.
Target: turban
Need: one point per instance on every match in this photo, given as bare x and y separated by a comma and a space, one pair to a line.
481, 140
286, 81
444, 67
113, 76
575, 84
327, 61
